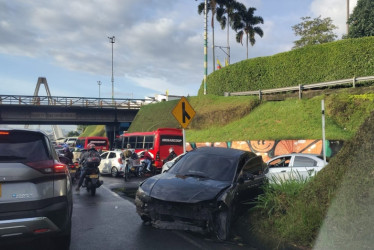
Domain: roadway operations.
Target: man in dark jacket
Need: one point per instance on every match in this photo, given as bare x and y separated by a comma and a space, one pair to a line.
84, 164
171, 155
68, 154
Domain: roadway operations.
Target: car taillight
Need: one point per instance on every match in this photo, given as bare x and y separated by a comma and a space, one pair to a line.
48, 166
158, 156
120, 160
4, 133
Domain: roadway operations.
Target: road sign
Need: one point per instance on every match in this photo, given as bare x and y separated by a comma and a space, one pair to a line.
183, 112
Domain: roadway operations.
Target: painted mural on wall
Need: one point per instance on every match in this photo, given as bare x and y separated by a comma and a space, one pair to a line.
270, 148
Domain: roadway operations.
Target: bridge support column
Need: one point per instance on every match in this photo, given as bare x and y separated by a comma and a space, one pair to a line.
112, 131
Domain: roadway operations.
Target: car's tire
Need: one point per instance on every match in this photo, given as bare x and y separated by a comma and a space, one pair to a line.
223, 225
114, 172
63, 242
93, 190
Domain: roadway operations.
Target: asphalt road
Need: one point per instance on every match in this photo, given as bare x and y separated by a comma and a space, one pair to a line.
109, 221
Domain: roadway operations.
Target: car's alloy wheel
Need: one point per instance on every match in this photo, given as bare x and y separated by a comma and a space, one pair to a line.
114, 172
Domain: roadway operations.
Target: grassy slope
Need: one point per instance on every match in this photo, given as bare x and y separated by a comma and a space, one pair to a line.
245, 118
94, 130
334, 210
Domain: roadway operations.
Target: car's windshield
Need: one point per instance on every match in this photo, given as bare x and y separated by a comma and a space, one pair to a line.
214, 167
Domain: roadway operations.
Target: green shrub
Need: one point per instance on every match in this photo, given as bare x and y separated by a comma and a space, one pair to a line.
312, 64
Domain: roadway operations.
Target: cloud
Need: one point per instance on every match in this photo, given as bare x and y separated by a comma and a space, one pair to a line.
336, 10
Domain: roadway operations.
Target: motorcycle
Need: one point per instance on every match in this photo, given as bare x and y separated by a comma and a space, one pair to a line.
134, 168
92, 179
71, 167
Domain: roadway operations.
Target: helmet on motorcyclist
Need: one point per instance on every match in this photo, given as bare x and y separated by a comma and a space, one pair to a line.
91, 145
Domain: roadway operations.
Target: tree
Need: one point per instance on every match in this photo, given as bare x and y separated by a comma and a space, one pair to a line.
225, 12
212, 5
72, 134
314, 31
244, 23
81, 128
361, 22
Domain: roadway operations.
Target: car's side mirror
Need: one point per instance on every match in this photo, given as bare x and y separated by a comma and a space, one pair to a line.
249, 177
246, 177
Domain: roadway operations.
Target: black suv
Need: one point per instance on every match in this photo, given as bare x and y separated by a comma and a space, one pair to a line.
35, 190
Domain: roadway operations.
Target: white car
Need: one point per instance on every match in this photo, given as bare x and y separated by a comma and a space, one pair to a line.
111, 163
294, 166
71, 141
168, 164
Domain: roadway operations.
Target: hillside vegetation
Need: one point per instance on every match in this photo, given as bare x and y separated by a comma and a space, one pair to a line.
333, 210
342, 59
221, 118
94, 130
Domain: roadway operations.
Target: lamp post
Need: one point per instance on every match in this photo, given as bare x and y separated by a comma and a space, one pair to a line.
205, 44
112, 41
347, 16
99, 83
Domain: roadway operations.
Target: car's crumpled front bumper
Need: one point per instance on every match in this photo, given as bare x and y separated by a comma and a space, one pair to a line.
196, 217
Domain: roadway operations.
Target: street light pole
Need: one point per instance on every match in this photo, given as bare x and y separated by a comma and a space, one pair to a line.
205, 44
112, 41
347, 16
99, 83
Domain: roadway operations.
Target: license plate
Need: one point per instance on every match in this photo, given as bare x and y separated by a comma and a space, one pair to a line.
94, 176
73, 171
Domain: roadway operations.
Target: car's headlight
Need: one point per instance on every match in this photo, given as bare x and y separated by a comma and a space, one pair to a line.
142, 195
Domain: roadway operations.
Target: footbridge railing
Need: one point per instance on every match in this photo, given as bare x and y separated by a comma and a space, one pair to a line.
71, 101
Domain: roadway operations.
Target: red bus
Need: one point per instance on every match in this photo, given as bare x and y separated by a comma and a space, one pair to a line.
100, 142
157, 142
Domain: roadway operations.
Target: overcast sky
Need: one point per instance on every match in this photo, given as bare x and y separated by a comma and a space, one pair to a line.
158, 43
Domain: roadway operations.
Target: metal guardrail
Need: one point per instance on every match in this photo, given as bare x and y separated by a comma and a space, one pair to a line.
72, 101
300, 88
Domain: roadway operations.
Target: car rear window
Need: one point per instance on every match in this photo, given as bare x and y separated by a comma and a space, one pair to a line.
211, 166
19, 146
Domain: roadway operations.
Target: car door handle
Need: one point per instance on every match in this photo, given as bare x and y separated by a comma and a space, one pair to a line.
283, 171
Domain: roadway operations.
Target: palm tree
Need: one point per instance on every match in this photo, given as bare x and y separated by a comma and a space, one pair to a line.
211, 7
225, 12
244, 22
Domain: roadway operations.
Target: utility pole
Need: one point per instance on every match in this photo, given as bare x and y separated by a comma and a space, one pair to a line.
112, 41
347, 16
99, 83
205, 44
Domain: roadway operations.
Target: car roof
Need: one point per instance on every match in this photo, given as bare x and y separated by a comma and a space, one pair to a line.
23, 130
297, 154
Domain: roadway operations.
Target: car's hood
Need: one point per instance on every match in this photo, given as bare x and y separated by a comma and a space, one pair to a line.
170, 187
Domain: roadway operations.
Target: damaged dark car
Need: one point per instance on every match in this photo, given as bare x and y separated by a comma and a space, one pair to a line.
202, 192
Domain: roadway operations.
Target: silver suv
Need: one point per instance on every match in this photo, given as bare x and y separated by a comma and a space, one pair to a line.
35, 190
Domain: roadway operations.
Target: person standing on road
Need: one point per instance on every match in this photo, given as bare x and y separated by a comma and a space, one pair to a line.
83, 162
147, 159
